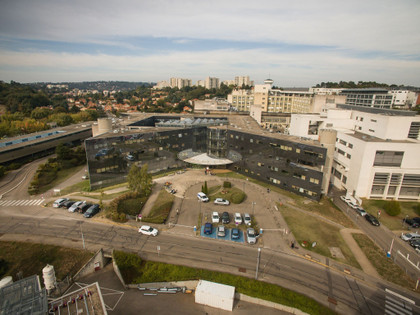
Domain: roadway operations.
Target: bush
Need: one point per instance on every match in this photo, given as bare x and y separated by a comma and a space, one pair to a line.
227, 185
237, 197
393, 208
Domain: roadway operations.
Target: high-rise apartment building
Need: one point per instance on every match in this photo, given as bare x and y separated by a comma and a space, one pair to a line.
211, 83
179, 82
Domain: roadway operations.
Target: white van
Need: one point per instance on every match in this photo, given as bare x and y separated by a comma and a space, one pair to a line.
202, 197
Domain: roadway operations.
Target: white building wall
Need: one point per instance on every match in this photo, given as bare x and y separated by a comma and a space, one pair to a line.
360, 171
382, 126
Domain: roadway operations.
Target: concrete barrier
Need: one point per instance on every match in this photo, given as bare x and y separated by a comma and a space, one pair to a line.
190, 285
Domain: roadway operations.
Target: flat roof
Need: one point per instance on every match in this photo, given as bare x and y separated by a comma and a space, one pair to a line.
36, 137
243, 123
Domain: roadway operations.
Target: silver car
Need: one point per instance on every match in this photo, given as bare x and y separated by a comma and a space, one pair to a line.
221, 231
251, 236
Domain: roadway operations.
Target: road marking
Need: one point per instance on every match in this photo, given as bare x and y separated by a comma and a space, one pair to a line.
22, 202
398, 304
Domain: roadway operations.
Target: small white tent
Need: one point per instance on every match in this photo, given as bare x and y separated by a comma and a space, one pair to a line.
215, 295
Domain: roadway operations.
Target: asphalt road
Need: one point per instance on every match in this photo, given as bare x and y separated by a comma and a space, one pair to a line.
347, 294
384, 238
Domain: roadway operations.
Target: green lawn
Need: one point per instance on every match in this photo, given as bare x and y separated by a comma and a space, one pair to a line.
150, 271
62, 175
32, 258
161, 208
310, 229
393, 223
386, 268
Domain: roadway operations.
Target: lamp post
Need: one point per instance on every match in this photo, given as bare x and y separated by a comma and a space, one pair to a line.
253, 204
258, 263
83, 238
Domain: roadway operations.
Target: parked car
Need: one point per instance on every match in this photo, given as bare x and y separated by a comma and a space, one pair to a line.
225, 218
85, 177
75, 206
221, 201
215, 217
238, 218
234, 234
251, 236
221, 231
345, 199
410, 236
208, 228
414, 222
59, 202
94, 209
415, 243
202, 197
352, 205
148, 230
129, 157
83, 208
67, 204
371, 219
361, 211
247, 219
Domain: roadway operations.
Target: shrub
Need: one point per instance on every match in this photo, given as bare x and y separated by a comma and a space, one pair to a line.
393, 208
227, 184
237, 197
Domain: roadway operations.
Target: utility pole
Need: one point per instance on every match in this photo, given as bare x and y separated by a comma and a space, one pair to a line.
258, 263
83, 238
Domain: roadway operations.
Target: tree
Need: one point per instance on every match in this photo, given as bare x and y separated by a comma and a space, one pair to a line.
63, 152
139, 180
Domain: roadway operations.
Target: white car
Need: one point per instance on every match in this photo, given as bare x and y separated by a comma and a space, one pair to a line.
352, 205
221, 201
345, 198
247, 219
215, 217
251, 237
148, 230
202, 197
238, 218
76, 206
59, 202
410, 236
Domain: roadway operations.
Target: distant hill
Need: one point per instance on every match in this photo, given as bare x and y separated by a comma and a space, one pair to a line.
97, 85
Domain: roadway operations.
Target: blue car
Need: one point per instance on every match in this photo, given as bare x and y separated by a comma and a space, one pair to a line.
234, 234
208, 228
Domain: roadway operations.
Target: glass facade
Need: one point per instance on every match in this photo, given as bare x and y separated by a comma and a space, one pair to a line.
290, 165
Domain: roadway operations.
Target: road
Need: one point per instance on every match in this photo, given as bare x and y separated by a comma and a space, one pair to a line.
383, 237
347, 294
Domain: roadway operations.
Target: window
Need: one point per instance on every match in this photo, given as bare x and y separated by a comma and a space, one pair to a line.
348, 156
344, 179
343, 142
350, 145
388, 158
377, 190
341, 152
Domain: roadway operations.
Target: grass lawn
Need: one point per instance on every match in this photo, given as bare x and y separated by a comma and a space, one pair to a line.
386, 268
155, 272
62, 175
81, 186
32, 258
161, 208
310, 229
393, 223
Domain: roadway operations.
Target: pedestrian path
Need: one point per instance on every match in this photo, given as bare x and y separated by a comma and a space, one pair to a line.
27, 202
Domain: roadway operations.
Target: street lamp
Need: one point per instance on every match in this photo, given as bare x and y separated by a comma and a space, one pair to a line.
258, 263
253, 204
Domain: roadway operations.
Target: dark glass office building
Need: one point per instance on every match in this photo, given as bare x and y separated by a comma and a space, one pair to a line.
168, 144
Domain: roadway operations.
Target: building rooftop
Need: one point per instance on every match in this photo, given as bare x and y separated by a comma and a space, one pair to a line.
242, 123
34, 138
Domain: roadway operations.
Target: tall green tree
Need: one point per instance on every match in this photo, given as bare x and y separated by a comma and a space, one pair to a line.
139, 180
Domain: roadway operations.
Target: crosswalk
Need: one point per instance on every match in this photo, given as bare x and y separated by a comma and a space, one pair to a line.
27, 202
398, 304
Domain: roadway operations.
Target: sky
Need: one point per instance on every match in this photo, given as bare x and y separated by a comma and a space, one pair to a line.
296, 43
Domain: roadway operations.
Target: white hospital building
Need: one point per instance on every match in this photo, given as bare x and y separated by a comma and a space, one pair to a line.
373, 153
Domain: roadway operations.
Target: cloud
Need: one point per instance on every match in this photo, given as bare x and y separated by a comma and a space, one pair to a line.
287, 69
363, 25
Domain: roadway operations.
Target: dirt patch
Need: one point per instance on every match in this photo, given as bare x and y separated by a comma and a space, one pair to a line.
336, 252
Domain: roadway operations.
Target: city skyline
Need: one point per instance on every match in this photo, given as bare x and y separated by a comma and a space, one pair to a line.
296, 44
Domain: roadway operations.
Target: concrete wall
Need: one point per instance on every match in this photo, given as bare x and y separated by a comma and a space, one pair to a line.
97, 261
117, 271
